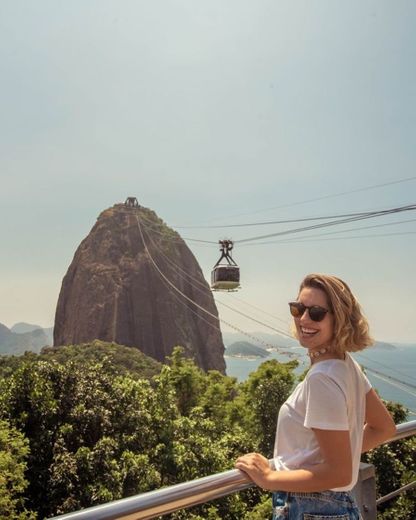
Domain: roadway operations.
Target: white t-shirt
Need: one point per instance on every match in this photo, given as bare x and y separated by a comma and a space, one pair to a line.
331, 397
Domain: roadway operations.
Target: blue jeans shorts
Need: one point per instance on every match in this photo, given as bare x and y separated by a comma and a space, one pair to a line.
326, 505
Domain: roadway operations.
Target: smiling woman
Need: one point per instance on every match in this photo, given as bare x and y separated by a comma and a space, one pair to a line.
314, 322
331, 417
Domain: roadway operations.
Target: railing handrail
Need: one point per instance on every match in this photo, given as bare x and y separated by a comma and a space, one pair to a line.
166, 500
396, 493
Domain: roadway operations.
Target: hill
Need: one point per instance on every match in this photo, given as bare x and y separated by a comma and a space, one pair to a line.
122, 360
23, 327
16, 343
272, 339
283, 341
116, 289
245, 349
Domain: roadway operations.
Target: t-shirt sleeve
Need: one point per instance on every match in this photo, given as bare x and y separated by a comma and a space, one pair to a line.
367, 385
326, 406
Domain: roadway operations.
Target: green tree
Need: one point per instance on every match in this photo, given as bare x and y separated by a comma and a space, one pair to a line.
265, 391
395, 465
80, 422
13, 454
185, 378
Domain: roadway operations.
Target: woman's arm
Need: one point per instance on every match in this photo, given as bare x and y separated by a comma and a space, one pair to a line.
379, 425
335, 470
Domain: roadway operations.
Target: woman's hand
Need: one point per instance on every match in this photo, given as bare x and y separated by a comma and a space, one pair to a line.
335, 470
256, 466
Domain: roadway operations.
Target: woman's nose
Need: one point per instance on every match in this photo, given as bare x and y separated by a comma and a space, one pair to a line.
305, 316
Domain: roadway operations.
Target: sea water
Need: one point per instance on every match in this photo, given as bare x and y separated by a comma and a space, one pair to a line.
392, 372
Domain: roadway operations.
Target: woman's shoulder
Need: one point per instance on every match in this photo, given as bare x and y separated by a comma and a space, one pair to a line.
330, 368
331, 373
340, 372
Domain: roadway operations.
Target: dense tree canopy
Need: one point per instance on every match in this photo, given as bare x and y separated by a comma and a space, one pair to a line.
13, 453
83, 425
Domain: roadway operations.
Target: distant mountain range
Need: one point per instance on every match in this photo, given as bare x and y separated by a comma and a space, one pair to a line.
24, 336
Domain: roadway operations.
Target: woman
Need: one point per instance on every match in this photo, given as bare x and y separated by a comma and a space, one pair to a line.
331, 417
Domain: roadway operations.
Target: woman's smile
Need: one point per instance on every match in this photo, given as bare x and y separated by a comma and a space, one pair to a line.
308, 332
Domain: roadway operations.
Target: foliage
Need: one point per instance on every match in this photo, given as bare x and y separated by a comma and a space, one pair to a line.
13, 453
263, 510
79, 420
97, 433
266, 390
123, 360
86, 425
395, 465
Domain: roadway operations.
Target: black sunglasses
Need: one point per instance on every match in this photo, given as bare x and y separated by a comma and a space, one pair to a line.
316, 313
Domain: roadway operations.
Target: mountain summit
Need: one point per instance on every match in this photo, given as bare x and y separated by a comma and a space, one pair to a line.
132, 281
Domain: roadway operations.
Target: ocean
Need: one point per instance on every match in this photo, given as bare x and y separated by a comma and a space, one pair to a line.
391, 371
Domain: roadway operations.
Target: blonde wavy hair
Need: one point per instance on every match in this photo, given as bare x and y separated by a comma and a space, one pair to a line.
351, 329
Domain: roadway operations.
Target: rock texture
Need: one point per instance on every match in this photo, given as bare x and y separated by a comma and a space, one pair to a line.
114, 292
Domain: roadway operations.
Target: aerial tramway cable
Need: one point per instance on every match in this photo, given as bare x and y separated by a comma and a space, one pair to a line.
391, 381
387, 378
398, 372
324, 197
331, 223
311, 238
187, 276
257, 321
410, 207
268, 345
202, 288
260, 310
272, 222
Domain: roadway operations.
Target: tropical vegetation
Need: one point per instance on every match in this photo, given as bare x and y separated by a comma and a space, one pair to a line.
86, 424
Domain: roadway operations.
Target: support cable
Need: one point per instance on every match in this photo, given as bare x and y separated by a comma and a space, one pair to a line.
389, 379
260, 310
311, 238
399, 372
257, 321
177, 298
271, 222
410, 207
358, 217
187, 276
304, 240
324, 197
268, 345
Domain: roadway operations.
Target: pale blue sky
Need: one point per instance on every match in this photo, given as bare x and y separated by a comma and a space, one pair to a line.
205, 110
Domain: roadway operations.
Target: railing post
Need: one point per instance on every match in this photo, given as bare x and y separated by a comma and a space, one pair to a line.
365, 491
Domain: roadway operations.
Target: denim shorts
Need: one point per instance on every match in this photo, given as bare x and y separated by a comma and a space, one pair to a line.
326, 505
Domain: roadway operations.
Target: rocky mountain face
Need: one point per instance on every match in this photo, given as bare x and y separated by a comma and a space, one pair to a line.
14, 343
120, 287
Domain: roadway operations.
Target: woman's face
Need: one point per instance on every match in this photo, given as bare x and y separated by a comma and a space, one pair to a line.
314, 334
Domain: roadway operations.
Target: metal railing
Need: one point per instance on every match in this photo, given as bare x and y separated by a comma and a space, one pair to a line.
166, 500
396, 493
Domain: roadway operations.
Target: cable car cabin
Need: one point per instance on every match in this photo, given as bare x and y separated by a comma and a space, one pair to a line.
225, 278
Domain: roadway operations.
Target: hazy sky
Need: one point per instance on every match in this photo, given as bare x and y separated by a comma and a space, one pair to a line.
207, 110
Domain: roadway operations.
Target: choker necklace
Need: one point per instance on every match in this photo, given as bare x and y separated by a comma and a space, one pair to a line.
318, 353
